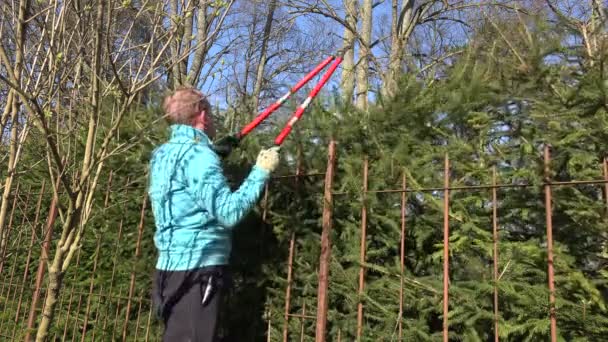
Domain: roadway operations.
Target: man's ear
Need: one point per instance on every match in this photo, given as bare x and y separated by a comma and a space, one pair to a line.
201, 117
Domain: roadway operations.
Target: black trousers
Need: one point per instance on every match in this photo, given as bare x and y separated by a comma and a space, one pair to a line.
178, 297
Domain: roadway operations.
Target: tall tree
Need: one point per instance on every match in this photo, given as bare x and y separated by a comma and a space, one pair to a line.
259, 79
12, 111
587, 20
67, 88
404, 20
208, 17
363, 66
347, 83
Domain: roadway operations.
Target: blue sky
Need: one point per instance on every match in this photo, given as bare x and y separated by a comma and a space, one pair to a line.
305, 25
319, 28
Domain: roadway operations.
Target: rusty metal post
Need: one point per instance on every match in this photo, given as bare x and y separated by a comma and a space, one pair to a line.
6, 244
148, 323
324, 259
495, 254
268, 330
91, 287
67, 315
291, 252
44, 257
446, 245
605, 167
115, 258
107, 198
30, 322
118, 298
606, 183
302, 322
10, 224
77, 316
605, 172
137, 253
402, 250
97, 250
26, 271
12, 274
288, 289
549, 217
16, 286
59, 311
362, 250
106, 315
138, 318
100, 295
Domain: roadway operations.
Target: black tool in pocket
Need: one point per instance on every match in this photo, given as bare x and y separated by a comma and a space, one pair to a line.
208, 290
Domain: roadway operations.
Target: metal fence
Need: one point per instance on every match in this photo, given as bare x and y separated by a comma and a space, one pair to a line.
119, 308
85, 311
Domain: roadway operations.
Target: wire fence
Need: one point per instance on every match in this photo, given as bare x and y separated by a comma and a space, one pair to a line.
119, 308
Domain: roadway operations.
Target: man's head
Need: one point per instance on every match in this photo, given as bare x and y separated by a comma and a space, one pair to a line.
188, 106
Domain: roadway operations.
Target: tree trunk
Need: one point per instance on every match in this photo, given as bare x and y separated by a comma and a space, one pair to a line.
188, 17
364, 55
10, 176
176, 43
394, 26
7, 110
200, 53
70, 236
598, 23
599, 15
66, 247
401, 30
43, 261
257, 89
244, 102
14, 110
348, 64
55, 282
209, 19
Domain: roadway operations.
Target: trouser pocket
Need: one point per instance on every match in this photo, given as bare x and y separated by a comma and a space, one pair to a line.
189, 302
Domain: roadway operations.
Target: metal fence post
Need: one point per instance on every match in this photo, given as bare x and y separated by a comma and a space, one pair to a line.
322, 298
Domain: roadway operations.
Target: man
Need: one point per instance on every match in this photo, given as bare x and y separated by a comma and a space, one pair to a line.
195, 212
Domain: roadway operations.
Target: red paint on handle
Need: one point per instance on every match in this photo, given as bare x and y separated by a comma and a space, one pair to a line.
253, 124
300, 111
281, 137
262, 116
311, 74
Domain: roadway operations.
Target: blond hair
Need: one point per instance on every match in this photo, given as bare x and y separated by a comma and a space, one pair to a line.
184, 105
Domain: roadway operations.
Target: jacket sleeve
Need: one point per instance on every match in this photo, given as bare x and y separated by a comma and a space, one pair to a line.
207, 184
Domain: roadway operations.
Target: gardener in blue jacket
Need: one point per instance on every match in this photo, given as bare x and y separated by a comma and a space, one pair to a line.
195, 212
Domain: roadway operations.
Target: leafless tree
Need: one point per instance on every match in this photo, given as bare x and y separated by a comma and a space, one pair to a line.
10, 114
207, 16
58, 75
366, 15
259, 78
348, 65
586, 19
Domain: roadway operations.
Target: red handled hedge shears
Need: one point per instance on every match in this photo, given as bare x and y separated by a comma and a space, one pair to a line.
225, 145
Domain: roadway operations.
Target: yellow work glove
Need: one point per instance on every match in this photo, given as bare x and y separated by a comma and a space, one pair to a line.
268, 159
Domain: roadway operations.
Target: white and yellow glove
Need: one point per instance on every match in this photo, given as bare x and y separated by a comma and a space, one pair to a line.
268, 159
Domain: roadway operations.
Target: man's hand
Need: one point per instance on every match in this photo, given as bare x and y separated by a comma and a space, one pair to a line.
224, 146
269, 159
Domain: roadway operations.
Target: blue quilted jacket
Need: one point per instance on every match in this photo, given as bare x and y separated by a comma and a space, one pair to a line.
194, 208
